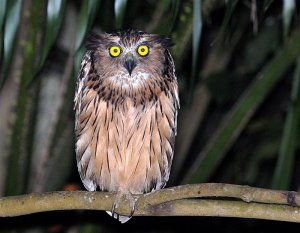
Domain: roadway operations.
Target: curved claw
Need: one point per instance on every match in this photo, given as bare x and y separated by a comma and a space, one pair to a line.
132, 211
113, 210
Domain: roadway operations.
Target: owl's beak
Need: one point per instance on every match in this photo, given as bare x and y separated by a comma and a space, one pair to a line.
129, 63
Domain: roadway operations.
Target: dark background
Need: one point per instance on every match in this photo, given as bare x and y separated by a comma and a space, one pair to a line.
239, 91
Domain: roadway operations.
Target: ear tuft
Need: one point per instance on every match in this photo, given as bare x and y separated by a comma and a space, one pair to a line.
93, 41
165, 41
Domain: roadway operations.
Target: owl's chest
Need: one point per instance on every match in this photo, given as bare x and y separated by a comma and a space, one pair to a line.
126, 138
125, 130
128, 118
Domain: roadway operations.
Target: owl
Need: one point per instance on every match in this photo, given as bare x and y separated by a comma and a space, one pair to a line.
126, 105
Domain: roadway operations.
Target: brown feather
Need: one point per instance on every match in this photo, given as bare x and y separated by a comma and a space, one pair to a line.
126, 125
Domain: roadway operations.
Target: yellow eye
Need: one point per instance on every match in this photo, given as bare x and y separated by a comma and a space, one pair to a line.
143, 50
115, 51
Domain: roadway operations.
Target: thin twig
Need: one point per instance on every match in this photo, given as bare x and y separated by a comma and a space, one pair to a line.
265, 204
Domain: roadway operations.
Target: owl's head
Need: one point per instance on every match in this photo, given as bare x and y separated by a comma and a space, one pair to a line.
129, 53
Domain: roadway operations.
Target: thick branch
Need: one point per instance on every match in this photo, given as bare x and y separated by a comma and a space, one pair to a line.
222, 208
265, 204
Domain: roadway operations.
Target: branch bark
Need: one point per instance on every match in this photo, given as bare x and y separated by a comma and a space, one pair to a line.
213, 199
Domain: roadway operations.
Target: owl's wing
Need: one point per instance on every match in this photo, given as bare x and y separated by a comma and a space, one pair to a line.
170, 72
164, 129
84, 70
174, 102
82, 96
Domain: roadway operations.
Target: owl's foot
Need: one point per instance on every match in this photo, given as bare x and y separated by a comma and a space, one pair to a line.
117, 202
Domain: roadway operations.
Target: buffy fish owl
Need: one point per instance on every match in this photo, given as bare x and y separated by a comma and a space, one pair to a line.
126, 105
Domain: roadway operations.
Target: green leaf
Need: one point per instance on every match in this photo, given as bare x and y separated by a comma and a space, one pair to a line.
28, 47
10, 29
175, 9
87, 15
120, 7
285, 164
2, 17
267, 4
197, 28
236, 120
287, 13
2, 13
55, 14
230, 7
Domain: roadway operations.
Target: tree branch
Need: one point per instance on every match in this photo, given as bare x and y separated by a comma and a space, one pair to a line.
225, 200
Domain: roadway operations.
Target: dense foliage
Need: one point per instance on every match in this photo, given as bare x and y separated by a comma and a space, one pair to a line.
238, 68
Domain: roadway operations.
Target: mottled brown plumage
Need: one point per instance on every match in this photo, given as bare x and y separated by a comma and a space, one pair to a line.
126, 113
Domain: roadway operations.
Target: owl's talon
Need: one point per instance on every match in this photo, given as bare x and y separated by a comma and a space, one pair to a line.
132, 201
113, 210
132, 211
